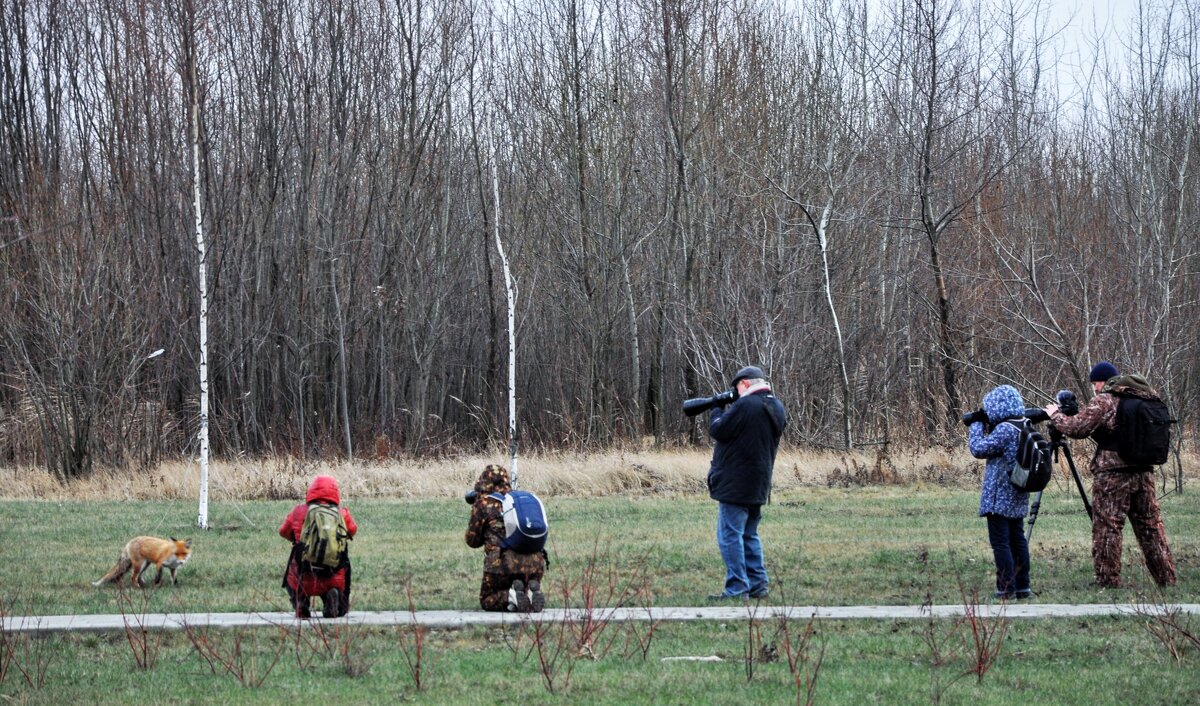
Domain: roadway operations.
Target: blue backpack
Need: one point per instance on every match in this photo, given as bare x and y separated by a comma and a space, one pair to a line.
525, 524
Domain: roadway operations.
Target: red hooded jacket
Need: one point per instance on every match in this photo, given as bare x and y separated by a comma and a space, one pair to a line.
323, 489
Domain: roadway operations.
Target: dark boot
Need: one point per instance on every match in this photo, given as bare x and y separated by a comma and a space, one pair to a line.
332, 603
520, 597
302, 609
537, 600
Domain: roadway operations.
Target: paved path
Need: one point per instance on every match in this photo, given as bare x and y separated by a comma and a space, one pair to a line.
460, 618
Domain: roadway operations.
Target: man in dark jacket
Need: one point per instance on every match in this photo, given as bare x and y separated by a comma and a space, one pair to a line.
747, 436
1118, 488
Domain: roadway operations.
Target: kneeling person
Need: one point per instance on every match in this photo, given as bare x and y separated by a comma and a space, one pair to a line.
320, 531
511, 581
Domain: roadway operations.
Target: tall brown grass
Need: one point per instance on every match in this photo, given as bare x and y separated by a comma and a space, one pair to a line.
561, 474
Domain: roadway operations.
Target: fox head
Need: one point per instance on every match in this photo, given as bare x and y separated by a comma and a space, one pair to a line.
183, 549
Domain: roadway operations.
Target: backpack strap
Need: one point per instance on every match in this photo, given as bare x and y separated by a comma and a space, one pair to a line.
769, 408
496, 496
1106, 437
1017, 423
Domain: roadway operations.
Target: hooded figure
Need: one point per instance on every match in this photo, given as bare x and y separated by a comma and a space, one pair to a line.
302, 583
511, 581
999, 447
1003, 505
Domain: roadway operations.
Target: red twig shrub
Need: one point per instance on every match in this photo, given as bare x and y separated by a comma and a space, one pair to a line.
134, 605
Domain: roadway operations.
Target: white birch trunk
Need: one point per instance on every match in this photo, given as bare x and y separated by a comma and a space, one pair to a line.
344, 375
847, 436
510, 294
202, 517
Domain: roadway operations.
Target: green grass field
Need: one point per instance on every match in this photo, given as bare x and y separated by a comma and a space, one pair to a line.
1095, 662
888, 545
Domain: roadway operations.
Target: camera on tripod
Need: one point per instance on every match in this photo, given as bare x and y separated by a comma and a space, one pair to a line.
1067, 404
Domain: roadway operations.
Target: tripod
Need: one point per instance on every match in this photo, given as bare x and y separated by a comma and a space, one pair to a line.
1058, 442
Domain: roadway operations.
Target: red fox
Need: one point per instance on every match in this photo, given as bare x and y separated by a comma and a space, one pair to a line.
140, 552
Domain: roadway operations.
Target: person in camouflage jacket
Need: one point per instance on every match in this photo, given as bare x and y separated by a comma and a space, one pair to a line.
511, 581
1118, 488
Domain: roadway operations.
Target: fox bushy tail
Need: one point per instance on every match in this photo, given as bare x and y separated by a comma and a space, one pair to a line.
123, 565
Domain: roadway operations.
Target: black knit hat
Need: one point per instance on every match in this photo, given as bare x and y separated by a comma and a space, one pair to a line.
750, 372
1102, 371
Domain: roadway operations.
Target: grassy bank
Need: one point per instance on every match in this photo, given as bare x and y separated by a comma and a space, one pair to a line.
833, 546
878, 545
1094, 662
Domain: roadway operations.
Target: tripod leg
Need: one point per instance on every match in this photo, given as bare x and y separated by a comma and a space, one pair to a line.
1087, 505
1033, 514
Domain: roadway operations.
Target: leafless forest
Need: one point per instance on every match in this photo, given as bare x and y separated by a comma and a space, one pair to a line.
890, 210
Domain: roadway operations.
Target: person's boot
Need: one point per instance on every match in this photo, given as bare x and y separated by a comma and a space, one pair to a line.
537, 600
302, 609
332, 600
519, 597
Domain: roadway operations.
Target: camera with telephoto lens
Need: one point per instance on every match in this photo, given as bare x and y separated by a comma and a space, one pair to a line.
977, 416
470, 497
1067, 404
696, 405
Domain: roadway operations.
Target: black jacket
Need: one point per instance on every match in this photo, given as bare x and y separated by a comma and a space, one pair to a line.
747, 436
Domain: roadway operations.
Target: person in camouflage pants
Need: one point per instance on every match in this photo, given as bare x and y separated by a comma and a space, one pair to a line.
1118, 489
511, 581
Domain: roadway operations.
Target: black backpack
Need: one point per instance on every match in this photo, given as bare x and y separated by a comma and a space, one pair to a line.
1143, 432
1035, 460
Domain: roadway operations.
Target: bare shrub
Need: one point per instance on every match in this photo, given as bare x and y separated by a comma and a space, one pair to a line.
235, 652
803, 665
7, 640
754, 650
639, 635
972, 637
601, 589
555, 646
860, 471
986, 634
30, 653
134, 605
330, 640
1167, 624
412, 642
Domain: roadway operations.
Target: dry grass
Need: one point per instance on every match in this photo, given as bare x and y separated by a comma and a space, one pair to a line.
616, 472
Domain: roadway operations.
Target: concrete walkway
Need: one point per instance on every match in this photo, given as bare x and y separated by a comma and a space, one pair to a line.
460, 618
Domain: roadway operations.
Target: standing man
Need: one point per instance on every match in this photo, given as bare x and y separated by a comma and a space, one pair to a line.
747, 436
1119, 488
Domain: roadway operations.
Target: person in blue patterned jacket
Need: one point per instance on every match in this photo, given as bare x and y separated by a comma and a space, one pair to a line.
1004, 506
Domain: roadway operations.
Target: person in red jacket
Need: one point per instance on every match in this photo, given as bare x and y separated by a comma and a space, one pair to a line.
333, 587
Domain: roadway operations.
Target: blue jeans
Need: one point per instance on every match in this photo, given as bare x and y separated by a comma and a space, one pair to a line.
737, 538
1011, 553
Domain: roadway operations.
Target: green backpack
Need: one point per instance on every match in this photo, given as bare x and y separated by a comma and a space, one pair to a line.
324, 536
